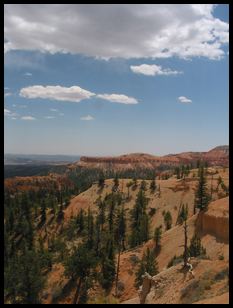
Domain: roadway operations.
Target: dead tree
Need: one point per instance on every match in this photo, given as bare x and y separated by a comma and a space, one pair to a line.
145, 287
185, 255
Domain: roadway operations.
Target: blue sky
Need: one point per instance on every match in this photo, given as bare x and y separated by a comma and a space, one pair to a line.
160, 92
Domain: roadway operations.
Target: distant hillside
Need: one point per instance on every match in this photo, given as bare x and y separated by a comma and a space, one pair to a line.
25, 159
217, 156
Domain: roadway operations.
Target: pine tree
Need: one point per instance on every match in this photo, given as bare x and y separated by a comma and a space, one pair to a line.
143, 185
101, 181
128, 185
168, 220
140, 220
108, 264
43, 212
202, 197
116, 183
101, 214
90, 229
157, 237
186, 252
182, 214
195, 248
111, 214
23, 280
120, 240
79, 266
80, 221
152, 186
148, 264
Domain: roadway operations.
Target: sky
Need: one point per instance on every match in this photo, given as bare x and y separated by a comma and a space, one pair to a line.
115, 79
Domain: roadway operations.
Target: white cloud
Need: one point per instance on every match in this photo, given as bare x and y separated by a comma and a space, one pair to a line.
49, 117
28, 74
61, 114
127, 30
152, 70
118, 98
184, 99
53, 110
28, 118
7, 94
87, 118
72, 94
6, 111
9, 114
6, 88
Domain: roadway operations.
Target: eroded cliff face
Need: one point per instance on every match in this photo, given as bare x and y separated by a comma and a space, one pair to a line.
217, 156
215, 220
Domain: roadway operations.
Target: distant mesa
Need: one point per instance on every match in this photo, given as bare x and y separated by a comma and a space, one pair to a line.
217, 156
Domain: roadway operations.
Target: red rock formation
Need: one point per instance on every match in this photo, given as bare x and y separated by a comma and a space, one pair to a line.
216, 156
215, 220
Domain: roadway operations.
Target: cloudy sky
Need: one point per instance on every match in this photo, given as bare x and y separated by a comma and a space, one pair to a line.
113, 79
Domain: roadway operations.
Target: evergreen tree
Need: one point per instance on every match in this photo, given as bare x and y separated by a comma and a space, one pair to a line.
153, 186
148, 264
107, 265
157, 237
111, 214
219, 181
135, 183
128, 185
43, 212
80, 221
101, 213
195, 248
140, 220
79, 266
183, 214
143, 185
177, 172
116, 183
202, 197
90, 230
168, 220
101, 181
23, 278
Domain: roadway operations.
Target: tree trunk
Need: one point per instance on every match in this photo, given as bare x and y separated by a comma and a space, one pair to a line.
117, 273
185, 243
77, 291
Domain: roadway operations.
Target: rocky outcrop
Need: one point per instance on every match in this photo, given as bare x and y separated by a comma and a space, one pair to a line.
215, 220
216, 156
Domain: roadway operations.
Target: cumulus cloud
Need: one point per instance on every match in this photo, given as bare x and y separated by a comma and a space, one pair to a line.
127, 30
152, 70
87, 118
184, 99
118, 98
28, 118
72, 94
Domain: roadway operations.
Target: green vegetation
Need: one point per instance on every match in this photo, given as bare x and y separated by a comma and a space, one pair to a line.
147, 264
140, 220
167, 220
202, 198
